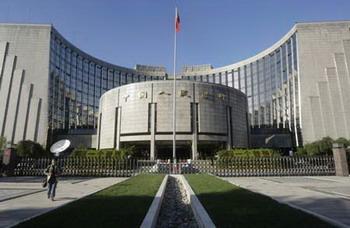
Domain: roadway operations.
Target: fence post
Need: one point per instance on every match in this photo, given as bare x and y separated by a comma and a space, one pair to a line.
237, 166
340, 160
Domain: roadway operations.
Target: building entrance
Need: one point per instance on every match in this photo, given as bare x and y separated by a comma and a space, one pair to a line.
183, 151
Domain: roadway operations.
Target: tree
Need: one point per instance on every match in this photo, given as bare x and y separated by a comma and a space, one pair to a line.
28, 148
325, 145
312, 149
2, 142
321, 147
343, 141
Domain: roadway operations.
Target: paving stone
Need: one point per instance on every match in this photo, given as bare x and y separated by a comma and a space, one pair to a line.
21, 199
328, 197
176, 210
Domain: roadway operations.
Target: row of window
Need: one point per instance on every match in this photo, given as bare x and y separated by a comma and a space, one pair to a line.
77, 83
263, 81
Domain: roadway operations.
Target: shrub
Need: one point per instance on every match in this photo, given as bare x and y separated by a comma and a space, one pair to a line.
126, 152
2, 144
226, 154
312, 149
107, 153
28, 148
343, 141
301, 151
321, 147
80, 151
123, 153
92, 153
325, 145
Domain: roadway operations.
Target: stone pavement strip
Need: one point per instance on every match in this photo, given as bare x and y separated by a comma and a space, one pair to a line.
22, 198
176, 209
326, 197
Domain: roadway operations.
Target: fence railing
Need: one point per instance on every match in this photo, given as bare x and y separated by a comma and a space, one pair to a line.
274, 166
99, 167
110, 167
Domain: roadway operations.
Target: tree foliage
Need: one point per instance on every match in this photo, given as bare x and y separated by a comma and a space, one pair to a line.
2, 142
28, 148
321, 147
343, 141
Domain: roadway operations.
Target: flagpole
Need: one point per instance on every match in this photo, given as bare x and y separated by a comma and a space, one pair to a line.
174, 92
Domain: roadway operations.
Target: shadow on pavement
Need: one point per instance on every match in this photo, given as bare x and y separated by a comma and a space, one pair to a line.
10, 217
65, 198
243, 208
96, 211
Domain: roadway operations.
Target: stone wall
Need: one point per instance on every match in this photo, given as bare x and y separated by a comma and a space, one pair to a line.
24, 75
324, 58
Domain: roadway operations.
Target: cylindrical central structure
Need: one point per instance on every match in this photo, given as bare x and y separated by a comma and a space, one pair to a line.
141, 114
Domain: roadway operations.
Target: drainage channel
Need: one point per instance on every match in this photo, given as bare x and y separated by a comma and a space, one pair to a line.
176, 210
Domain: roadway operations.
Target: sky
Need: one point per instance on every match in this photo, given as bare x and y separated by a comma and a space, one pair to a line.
130, 32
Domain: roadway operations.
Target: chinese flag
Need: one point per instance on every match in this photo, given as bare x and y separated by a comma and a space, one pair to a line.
177, 21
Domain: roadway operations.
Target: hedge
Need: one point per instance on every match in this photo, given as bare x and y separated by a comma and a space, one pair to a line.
120, 154
224, 154
321, 147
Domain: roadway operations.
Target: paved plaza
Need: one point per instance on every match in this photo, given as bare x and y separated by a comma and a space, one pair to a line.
22, 198
326, 197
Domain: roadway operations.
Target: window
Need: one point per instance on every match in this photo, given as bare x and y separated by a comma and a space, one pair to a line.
230, 78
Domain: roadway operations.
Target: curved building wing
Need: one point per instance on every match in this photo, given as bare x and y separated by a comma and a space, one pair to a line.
49, 87
300, 84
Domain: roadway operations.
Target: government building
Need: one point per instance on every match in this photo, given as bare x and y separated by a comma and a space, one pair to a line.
294, 92
207, 115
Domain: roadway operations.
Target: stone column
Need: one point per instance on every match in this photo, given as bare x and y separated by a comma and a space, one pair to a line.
194, 147
117, 134
195, 132
153, 135
98, 131
229, 137
340, 161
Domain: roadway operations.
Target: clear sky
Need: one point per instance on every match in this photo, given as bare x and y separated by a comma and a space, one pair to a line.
129, 32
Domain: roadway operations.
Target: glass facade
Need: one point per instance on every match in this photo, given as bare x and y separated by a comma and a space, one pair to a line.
271, 86
76, 84
78, 80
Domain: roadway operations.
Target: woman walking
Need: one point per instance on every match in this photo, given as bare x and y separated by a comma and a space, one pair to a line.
52, 171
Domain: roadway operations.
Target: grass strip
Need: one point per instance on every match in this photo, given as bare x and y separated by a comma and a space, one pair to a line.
122, 205
232, 206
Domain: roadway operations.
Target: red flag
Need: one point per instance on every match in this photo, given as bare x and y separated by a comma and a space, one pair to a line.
177, 22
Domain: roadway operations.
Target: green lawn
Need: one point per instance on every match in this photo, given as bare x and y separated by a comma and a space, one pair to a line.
231, 206
121, 205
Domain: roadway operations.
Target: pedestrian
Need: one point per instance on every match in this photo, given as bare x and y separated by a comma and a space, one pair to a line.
52, 171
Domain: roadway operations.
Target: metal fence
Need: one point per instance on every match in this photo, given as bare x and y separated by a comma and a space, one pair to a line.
97, 167
274, 166
110, 167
